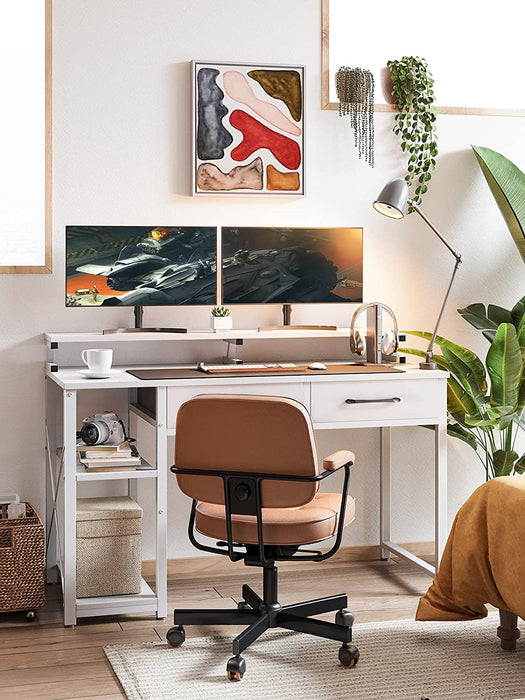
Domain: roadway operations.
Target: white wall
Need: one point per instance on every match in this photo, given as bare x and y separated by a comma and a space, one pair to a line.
122, 156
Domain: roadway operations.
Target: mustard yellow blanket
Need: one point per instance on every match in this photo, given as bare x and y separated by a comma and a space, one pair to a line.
484, 558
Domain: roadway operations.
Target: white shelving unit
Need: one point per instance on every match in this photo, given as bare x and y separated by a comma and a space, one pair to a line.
64, 475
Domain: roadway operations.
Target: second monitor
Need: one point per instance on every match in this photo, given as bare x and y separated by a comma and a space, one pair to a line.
262, 265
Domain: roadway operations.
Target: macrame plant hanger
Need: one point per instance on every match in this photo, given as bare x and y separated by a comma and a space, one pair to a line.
355, 92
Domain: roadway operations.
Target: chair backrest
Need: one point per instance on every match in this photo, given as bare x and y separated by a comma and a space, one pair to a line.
266, 434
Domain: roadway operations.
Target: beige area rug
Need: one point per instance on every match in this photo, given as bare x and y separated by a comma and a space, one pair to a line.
399, 661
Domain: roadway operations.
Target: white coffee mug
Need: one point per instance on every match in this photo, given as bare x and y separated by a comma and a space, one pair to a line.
97, 360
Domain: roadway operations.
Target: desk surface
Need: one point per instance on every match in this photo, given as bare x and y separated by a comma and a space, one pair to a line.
70, 378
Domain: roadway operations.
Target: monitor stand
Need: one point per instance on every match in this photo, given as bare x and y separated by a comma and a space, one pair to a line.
287, 315
138, 312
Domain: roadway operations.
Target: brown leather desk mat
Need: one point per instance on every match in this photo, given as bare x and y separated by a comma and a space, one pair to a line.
168, 373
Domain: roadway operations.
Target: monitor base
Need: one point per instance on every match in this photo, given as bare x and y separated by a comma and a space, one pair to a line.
138, 313
108, 331
287, 327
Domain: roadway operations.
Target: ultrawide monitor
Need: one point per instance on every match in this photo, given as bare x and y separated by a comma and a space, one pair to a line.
291, 265
141, 265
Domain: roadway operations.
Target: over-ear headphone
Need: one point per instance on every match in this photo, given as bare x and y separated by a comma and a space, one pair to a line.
377, 345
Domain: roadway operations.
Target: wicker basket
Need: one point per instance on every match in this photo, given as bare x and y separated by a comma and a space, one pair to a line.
22, 562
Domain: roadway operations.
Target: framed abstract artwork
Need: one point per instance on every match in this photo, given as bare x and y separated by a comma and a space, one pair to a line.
248, 129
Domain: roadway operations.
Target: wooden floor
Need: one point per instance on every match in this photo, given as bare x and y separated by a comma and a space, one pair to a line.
45, 661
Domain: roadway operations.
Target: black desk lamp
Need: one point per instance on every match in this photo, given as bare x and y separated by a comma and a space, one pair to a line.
392, 202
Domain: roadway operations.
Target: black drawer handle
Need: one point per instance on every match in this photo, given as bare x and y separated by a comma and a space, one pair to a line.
394, 399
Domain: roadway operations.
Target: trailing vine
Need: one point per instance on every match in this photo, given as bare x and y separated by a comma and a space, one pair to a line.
415, 122
355, 92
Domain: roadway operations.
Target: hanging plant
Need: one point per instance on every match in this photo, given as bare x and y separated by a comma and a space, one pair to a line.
355, 92
415, 122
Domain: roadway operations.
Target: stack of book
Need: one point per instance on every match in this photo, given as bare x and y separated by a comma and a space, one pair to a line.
108, 458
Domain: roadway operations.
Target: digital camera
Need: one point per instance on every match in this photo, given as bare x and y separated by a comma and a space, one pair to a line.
104, 428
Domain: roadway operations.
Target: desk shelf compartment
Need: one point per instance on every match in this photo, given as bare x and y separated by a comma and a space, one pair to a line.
146, 472
64, 480
145, 601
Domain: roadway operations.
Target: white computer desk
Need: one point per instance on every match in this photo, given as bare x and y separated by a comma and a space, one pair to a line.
422, 401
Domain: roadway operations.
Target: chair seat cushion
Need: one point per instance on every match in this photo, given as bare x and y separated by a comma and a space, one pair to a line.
315, 521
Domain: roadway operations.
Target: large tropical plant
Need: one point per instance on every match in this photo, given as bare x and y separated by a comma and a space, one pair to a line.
487, 419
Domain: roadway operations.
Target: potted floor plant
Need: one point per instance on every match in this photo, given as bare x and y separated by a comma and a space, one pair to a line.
487, 417
415, 120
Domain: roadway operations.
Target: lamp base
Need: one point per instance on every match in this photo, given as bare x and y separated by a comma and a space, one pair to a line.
427, 365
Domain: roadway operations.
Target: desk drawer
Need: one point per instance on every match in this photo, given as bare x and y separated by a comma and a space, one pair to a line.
177, 396
390, 401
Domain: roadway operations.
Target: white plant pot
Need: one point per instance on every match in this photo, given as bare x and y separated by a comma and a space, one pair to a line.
221, 323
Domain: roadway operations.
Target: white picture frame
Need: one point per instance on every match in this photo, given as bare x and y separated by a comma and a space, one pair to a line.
25, 137
248, 129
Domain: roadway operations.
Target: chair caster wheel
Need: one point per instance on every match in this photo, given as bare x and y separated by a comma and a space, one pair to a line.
348, 655
175, 637
235, 668
243, 605
31, 615
344, 618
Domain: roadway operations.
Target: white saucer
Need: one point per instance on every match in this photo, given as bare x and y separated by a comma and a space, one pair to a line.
99, 375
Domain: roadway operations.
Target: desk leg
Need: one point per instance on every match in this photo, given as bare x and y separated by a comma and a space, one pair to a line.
161, 583
440, 491
384, 489
51, 457
69, 574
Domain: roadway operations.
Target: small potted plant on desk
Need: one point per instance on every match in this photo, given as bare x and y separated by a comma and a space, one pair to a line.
221, 319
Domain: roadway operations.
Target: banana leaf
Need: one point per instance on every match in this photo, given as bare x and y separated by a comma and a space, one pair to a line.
521, 340
518, 313
504, 462
519, 467
476, 315
458, 431
460, 403
488, 320
507, 184
472, 377
505, 367
463, 363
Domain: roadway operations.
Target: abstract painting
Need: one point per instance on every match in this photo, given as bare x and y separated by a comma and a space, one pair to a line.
248, 135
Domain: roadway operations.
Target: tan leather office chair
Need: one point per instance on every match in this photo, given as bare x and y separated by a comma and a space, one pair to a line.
249, 463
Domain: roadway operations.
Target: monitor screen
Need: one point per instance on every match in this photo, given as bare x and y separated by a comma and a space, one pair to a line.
291, 265
141, 265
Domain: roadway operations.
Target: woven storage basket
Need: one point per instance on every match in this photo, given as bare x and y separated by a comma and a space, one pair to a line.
22, 562
109, 546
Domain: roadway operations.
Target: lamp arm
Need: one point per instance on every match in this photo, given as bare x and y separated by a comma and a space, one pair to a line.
431, 225
429, 351
429, 364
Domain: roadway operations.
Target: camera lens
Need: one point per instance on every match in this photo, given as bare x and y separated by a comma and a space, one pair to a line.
94, 433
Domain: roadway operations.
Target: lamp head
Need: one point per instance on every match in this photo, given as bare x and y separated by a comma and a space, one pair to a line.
393, 198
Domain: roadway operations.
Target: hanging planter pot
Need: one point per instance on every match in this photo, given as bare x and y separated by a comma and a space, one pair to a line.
387, 87
355, 92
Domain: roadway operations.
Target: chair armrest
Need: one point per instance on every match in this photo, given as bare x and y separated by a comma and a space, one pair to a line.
337, 459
